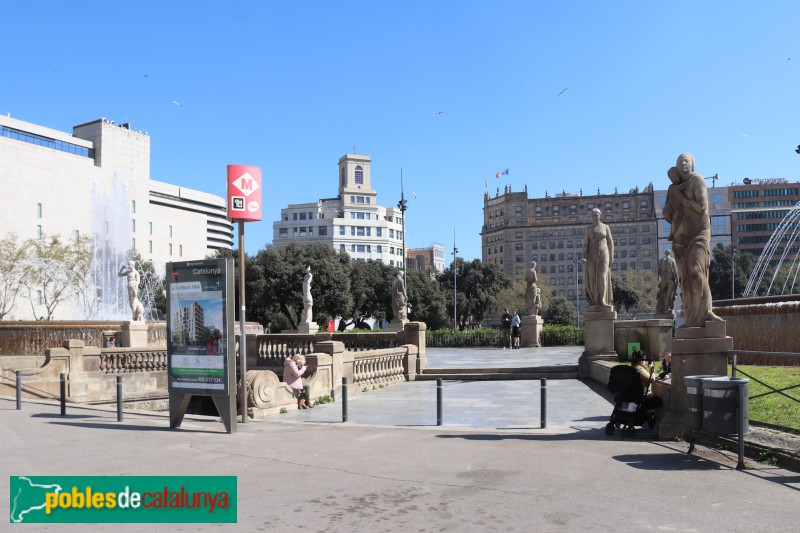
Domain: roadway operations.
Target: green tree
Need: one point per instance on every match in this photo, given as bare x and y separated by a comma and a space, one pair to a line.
12, 255
719, 272
477, 287
559, 312
370, 285
626, 299
426, 300
638, 290
277, 279
512, 297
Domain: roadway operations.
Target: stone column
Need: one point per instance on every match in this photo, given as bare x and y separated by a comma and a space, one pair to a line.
307, 327
414, 333
598, 336
530, 330
134, 334
341, 364
695, 351
397, 324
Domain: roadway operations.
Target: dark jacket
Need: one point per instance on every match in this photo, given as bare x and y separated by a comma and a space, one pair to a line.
505, 321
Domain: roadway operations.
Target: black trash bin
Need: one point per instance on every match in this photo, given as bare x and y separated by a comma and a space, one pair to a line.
721, 397
694, 400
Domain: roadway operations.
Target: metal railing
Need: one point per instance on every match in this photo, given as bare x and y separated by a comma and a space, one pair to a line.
758, 358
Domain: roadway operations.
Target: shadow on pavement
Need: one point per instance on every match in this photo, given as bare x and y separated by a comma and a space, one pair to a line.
63, 417
131, 427
667, 461
587, 434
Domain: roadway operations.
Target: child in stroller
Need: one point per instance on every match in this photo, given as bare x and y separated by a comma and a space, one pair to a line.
629, 399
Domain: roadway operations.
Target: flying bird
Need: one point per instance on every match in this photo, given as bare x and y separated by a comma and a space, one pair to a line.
414, 194
440, 112
562, 91
744, 135
797, 149
177, 103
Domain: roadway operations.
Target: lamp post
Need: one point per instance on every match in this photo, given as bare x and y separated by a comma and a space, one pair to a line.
733, 272
402, 205
577, 299
455, 252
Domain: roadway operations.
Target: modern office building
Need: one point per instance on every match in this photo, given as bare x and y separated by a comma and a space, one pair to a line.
757, 209
430, 259
188, 325
352, 222
96, 181
517, 230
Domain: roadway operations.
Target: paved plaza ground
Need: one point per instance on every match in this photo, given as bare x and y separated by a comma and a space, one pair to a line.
390, 468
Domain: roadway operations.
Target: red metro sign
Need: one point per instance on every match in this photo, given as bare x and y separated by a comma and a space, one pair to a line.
244, 193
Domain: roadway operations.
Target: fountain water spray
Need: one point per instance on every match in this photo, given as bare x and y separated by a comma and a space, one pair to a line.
780, 245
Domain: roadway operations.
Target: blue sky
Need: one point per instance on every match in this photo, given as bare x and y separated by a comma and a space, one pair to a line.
292, 86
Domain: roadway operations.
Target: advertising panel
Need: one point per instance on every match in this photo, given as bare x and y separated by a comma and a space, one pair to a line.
199, 328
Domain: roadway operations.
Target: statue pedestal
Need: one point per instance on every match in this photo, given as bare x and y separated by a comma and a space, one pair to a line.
398, 324
665, 316
598, 336
307, 327
530, 330
133, 334
695, 351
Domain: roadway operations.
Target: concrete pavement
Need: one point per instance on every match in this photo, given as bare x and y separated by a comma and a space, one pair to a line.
391, 469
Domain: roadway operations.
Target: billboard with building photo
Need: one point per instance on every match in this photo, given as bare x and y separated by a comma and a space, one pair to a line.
199, 325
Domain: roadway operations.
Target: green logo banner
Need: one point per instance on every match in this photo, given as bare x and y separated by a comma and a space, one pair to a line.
122, 499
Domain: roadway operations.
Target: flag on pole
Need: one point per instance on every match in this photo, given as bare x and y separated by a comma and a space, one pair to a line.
487, 182
497, 175
505, 172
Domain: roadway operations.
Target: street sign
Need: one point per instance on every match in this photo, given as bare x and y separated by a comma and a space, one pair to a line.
244, 193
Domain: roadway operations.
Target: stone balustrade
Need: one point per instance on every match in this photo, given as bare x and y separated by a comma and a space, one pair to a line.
378, 367
125, 360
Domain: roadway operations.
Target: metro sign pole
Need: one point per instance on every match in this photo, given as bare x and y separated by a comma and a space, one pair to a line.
244, 205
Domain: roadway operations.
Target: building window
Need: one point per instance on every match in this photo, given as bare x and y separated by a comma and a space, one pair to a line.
352, 230
150, 228
133, 225
323, 231
341, 230
380, 249
150, 246
39, 297
359, 199
303, 231
133, 244
352, 247
39, 231
133, 206
360, 248
283, 233
170, 248
294, 216
391, 234
38, 210
359, 175
378, 232
341, 247
170, 231
180, 250
302, 216
360, 231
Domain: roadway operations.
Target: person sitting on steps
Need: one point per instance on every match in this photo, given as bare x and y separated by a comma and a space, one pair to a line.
293, 368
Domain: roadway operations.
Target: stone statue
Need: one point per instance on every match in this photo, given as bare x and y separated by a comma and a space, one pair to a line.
537, 301
598, 254
686, 209
308, 301
399, 298
137, 309
530, 289
667, 285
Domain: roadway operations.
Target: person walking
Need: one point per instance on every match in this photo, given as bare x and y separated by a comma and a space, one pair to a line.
505, 323
515, 322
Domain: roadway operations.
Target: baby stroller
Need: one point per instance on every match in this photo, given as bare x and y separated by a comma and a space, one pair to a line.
629, 410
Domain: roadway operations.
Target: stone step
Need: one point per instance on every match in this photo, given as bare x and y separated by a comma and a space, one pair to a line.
544, 369
483, 374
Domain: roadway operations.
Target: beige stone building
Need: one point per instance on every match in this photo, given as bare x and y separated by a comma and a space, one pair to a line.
96, 181
429, 259
351, 222
517, 230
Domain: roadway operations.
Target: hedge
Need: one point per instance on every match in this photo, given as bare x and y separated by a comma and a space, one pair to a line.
493, 338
